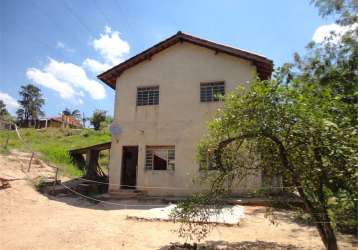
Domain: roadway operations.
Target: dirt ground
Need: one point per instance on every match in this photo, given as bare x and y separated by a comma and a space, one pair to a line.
30, 220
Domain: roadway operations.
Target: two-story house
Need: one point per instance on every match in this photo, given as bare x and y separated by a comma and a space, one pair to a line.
164, 98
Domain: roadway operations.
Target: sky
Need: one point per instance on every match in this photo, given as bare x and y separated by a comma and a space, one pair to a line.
62, 45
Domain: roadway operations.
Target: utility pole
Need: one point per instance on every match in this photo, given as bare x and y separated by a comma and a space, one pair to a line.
83, 119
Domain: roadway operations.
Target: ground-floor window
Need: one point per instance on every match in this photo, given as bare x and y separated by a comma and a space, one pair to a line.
208, 163
160, 157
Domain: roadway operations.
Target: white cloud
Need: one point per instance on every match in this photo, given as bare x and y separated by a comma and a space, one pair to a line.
68, 79
62, 45
50, 81
77, 77
325, 31
111, 46
10, 102
95, 66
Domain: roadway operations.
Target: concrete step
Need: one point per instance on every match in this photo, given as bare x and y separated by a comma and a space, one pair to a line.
127, 194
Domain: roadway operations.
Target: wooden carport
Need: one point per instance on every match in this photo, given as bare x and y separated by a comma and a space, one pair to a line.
89, 163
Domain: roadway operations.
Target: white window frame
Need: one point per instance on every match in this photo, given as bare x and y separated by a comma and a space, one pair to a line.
207, 88
148, 96
149, 161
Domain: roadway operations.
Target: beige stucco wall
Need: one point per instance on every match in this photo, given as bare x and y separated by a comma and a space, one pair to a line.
179, 119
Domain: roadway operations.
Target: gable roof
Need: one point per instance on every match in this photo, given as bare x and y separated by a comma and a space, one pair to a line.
264, 65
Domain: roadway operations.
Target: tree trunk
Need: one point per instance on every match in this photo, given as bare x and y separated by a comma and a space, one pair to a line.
331, 239
322, 222
327, 235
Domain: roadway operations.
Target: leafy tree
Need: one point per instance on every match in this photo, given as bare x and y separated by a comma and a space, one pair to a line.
334, 62
97, 118
299, 132
301, 126
75, 113
346, 10
109, 119
3, 110
31, 103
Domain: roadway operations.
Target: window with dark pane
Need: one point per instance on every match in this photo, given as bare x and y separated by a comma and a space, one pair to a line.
147, 96
160, 157
210, 92
149, 159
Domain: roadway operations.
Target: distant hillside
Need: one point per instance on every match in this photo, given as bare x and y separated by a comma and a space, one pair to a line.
53, 144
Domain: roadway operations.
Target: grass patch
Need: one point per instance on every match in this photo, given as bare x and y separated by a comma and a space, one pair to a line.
53, 144
4, 151
39, 183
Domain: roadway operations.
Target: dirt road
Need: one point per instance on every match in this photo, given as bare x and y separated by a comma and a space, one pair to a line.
30, 220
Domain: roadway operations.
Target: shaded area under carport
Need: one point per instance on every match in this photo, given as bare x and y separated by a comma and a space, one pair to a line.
86, 158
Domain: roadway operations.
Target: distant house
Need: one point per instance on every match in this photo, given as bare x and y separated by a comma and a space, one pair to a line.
6, 125
164, 98
64, 121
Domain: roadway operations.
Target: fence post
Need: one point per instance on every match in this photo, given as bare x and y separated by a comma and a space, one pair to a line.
32, 156
7, 141
55, 182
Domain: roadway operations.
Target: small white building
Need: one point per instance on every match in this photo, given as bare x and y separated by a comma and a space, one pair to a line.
164, 98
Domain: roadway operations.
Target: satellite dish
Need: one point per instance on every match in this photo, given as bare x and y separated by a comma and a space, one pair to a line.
115, 129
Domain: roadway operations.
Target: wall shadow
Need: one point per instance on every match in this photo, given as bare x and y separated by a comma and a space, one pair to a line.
69, 194
105, 204
225, 245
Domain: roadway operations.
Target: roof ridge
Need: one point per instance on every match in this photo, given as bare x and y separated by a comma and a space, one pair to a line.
223, 44
263, 64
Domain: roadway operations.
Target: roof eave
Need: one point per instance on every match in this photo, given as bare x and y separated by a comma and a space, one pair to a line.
264, 65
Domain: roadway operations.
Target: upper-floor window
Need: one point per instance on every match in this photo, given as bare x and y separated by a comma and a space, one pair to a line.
210, 91
160, 157
147, 96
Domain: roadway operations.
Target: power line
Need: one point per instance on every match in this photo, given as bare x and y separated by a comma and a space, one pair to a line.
112, 203
106, 17
52, 20
175, 188
122, 11
38, 41
97, 7
137, 186
41, 43
72, 12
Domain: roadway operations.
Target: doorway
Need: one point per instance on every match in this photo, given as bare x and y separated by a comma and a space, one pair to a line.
129, 167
